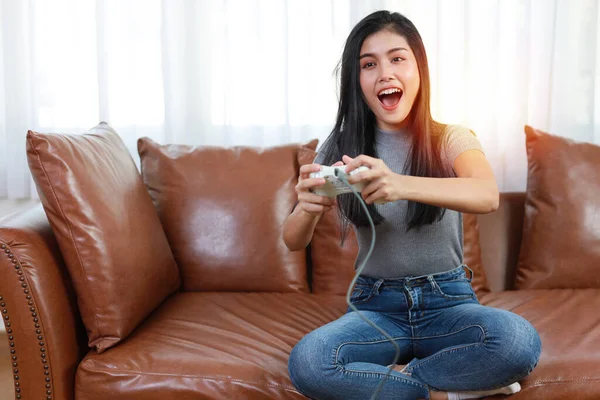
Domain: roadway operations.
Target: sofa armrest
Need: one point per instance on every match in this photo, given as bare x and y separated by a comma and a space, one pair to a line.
46, 337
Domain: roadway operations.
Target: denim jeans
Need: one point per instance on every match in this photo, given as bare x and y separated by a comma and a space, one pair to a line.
448, 340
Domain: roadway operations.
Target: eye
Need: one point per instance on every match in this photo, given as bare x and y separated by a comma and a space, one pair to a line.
398, 59
368, 65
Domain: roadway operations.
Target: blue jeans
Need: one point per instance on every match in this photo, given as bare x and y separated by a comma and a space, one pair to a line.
449, 341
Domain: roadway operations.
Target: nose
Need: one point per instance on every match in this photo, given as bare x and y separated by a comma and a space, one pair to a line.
387, 73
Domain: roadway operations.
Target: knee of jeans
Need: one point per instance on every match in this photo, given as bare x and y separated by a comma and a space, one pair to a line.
521, 343
533, 348
307, 365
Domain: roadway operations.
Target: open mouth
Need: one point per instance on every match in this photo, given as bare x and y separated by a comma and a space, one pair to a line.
390, 98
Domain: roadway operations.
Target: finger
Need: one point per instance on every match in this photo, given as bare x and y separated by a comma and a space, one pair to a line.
312, 198
364, 176
347, 159
377, 197
309, 183
338, 164
360, 160
315, 208
368, 190
305, 170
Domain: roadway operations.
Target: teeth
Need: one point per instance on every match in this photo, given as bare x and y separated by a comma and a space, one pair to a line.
390, 91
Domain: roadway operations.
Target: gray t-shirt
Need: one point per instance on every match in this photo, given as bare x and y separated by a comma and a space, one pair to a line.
426, 250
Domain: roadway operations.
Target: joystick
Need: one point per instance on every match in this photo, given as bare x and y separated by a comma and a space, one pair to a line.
334, 186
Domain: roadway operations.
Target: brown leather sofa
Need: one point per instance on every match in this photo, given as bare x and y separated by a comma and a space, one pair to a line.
234, 343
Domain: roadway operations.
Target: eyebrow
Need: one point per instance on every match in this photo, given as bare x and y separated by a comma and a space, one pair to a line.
388, 52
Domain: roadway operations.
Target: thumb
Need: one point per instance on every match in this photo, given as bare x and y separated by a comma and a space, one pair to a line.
347, 159
338, 164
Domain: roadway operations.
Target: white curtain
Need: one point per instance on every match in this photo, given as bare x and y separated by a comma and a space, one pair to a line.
260, 72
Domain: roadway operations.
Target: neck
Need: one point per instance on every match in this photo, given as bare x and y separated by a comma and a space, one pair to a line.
389, 130
393, 128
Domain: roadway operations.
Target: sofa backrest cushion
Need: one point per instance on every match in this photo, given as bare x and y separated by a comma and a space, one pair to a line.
472, 254
333, 265
223, 210
108, 231
500, 234
561, 233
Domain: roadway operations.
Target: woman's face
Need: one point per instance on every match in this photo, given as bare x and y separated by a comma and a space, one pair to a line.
389, 78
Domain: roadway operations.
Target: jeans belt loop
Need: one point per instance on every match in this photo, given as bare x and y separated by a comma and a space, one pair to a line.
470, 271
433, 283
377, 285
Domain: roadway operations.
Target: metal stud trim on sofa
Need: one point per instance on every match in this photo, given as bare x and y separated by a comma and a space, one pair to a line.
12, 341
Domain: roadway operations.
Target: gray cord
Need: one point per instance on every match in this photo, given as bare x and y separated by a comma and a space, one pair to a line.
343, 177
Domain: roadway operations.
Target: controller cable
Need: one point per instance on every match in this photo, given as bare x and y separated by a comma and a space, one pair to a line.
343, 177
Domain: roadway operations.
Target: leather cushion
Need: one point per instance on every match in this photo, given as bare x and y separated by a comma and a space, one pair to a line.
108, 231
236, 345
561, 234
569, 326
210, 346
472, 254
333, 263
222, 210
500, 235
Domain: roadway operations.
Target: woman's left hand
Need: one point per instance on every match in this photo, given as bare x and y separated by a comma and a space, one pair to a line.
382, 184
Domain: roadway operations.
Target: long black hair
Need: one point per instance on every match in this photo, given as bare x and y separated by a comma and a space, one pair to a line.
354, 130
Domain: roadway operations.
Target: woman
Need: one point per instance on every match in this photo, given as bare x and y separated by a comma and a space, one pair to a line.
422, 176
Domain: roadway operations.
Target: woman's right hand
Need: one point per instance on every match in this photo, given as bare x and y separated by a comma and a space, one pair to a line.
309, 202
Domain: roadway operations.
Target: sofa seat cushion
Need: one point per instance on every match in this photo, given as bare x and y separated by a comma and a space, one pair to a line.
568, 322
209, 345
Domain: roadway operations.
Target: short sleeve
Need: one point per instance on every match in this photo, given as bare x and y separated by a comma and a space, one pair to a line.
458, 139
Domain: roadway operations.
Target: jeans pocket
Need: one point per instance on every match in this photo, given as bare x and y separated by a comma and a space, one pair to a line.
360, 295
454, 290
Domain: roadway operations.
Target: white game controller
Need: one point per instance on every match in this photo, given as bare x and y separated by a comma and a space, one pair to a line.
333, 185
